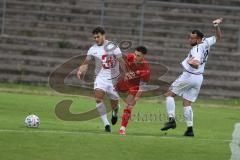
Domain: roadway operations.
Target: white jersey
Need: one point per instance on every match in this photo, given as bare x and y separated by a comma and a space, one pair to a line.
106, 63
199, 52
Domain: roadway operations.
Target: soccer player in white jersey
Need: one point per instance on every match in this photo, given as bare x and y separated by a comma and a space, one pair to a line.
107, 57
189, 83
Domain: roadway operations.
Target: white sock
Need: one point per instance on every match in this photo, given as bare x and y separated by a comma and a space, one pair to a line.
188, 116
170, 104
102, 111
122, 128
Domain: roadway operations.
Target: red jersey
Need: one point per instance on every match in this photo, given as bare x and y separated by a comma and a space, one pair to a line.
139, 72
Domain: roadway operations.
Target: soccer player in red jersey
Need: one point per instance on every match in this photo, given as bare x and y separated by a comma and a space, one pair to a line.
138, 75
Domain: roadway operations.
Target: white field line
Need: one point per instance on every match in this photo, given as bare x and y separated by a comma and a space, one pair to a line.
162, 136
235, 144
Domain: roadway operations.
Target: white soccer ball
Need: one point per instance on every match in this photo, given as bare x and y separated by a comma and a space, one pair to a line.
32, 121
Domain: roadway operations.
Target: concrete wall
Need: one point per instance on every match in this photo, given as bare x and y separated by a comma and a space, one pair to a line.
40, 35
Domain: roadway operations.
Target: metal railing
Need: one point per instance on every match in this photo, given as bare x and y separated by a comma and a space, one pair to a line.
147, 3
3, 17
141, 30
143, 5
102, 13
238, 45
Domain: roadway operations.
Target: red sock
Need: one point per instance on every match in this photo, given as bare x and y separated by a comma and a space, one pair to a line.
126, 116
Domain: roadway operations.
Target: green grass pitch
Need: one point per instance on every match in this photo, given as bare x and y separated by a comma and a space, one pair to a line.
60, 140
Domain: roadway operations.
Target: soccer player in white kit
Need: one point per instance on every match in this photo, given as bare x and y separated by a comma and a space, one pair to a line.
107, 57
189, 83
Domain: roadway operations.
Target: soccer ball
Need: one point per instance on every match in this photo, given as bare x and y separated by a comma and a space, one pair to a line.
32, 121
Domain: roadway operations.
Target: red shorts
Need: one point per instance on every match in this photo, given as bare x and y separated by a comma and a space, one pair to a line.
124, 86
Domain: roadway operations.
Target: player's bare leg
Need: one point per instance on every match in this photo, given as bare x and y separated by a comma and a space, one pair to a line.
130, 103
188, 116
99, 96
170, 106
115, 109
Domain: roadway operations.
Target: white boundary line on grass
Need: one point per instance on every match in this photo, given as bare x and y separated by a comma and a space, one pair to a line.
235, 144
107, 134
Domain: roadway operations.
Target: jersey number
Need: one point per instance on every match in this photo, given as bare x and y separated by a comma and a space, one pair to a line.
108, 61
205, 57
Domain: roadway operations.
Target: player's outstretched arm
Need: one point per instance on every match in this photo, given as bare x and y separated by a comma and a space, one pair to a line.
82, 68
216, 24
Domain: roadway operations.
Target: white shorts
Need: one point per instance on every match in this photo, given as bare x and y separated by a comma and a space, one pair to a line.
107, 86
187, 86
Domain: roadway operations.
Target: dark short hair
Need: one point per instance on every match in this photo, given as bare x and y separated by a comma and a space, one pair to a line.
141, 49
198, 33
98, 30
